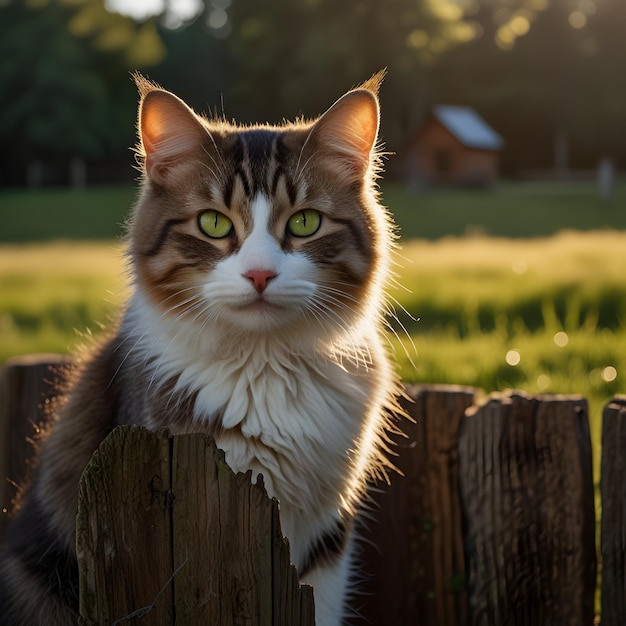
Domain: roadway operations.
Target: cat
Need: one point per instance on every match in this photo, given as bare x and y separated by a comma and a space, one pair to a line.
258, 257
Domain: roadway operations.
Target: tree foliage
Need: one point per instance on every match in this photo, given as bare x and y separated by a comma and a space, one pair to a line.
535, 69
324, 47
64, 84
558, 76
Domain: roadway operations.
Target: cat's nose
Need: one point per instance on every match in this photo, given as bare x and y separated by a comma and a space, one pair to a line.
260, 278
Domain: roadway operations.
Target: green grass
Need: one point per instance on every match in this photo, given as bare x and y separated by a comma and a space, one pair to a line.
53, 294
532, 209
59, 213
471, 300
508, 210
478, 298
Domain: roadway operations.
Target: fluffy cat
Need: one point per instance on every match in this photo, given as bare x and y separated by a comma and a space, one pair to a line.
258, 258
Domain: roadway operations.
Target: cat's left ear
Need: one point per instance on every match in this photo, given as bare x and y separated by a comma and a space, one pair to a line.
346, 134
170, 132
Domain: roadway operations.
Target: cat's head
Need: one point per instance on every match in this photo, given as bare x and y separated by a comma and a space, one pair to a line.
263, 228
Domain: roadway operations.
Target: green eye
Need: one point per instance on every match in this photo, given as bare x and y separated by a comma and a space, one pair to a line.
215, 224
304, 223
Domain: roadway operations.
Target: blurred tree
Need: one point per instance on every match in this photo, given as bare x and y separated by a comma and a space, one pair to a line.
321, 48
138, 43
543, 72
197, 66
536, 69
546, 75
603, 59
65, 91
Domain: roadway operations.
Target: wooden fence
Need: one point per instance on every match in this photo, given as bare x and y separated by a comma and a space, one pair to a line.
492, 521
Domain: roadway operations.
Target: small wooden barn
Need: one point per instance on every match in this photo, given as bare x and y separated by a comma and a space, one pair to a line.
454, 146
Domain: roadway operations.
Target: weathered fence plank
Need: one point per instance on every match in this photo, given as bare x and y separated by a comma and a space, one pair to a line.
492, 522
613, 489
27, 383
527, 492
165, 528
413, 564
123, 529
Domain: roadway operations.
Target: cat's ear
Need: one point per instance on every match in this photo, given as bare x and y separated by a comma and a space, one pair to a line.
169, 131
346, 134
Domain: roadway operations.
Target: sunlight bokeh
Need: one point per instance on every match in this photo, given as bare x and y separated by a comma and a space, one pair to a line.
183, 10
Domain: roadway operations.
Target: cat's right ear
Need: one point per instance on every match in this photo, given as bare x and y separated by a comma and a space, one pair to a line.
169, 131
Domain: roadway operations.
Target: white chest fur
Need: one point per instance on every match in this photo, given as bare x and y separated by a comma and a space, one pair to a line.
289, 412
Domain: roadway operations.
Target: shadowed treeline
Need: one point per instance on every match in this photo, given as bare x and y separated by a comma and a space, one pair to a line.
544, 73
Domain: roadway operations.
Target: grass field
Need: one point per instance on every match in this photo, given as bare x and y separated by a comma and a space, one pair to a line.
543, 315
533, 209
558, 304
546, 314
510, 209
58, 213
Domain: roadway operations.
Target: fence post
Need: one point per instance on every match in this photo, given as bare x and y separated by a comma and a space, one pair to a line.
502, 491
27, 384
613, 489
527, 493
165, 528
412, 548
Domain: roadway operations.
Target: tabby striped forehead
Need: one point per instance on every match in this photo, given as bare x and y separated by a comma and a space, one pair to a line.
259, 162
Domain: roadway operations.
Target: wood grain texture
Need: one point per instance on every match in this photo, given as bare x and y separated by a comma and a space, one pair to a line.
490, 523
123, 529
27, 385
527, 492
613, 490
412, 548
166, 530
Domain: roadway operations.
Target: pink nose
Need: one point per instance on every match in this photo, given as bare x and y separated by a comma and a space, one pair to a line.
260, 278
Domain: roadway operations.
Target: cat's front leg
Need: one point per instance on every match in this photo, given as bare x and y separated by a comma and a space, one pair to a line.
332, 579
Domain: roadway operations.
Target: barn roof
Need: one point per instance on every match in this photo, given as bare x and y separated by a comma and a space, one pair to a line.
468, 127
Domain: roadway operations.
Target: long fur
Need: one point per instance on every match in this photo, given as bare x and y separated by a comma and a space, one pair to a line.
288, 372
